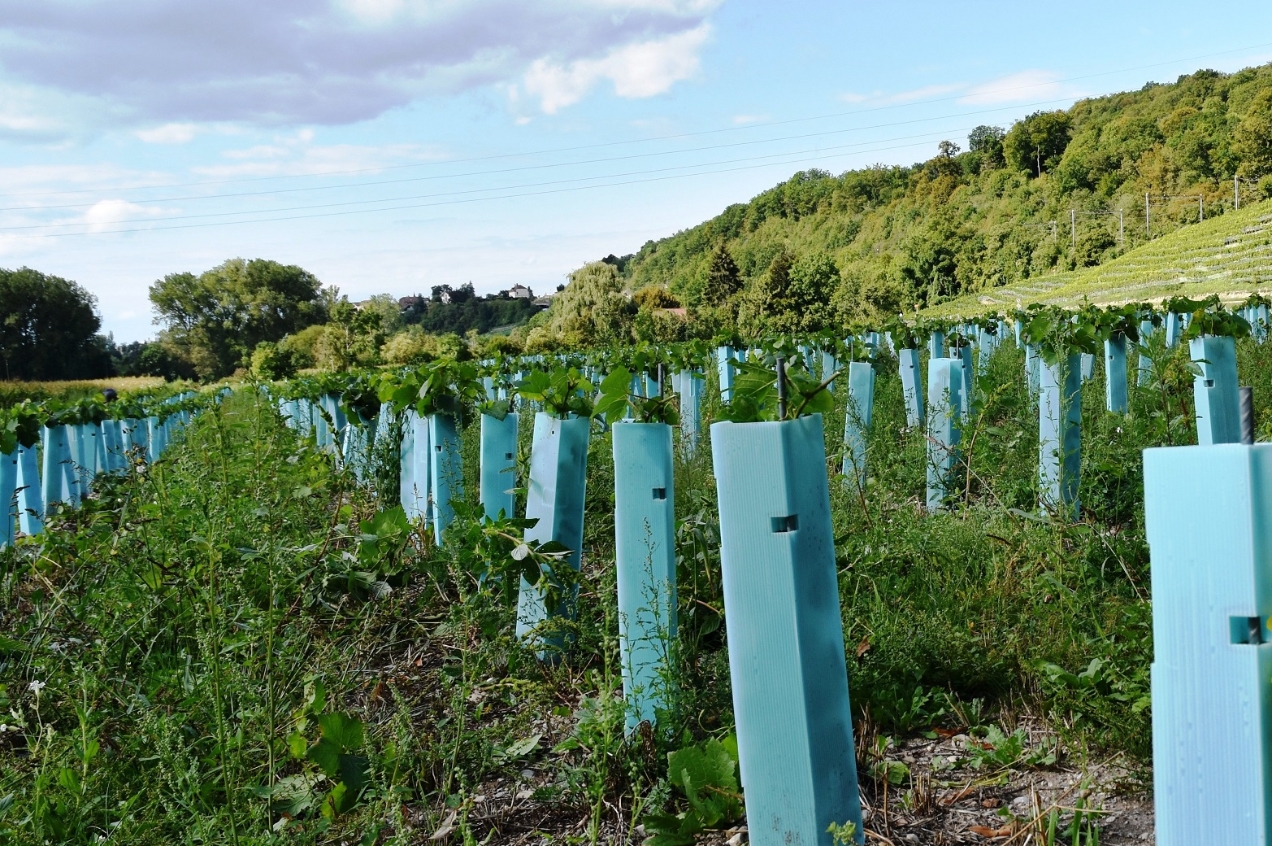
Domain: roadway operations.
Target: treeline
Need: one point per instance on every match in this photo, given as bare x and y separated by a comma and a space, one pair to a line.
821, 249
259, 314
49, 329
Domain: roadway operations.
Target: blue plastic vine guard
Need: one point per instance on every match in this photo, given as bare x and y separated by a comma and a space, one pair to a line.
1060, 434
911, 386
498, 471
1215, 394
30, 498
9, 497
1115, 391
829, 365
945, 383
1212, 649
645, 548
415, 467
967, 395
785, 631
860, 410
1172, 329
724, 366
691, 388
447, 479
56, 454
555, 496
156, 439
1144, 366
936, 344
1031, 368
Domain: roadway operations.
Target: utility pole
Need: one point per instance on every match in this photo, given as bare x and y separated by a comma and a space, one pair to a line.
1121, 227
1073, 227
1148, 218
1236, 193
1201, 207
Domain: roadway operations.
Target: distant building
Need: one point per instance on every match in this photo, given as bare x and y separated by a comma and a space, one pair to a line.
542, 302
520, 292
409, 302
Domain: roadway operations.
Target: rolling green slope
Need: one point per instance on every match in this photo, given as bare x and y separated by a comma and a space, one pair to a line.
1230, 256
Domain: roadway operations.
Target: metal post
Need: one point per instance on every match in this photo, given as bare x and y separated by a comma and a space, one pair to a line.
1246, 397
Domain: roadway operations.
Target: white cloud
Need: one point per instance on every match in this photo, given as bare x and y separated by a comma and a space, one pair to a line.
324, 62
169, 133
927, 92
743, 120
1022, 87
106, 213
639, 70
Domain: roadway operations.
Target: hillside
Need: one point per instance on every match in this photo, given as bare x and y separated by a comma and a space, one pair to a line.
993, 221
1230, 256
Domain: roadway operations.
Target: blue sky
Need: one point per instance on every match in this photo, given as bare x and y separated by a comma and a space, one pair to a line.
391, 145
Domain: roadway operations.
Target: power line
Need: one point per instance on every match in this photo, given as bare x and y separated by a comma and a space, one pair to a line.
840, 148
524, 168
446, 202
675, 137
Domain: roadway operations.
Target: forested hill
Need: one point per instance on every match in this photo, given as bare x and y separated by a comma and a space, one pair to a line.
868, 243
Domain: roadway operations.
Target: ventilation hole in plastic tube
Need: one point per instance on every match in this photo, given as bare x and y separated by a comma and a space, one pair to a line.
1247, 630
786, 524
660, 493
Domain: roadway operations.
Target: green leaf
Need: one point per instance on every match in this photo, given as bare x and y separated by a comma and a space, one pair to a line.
343, 731
522, 747
326, 756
